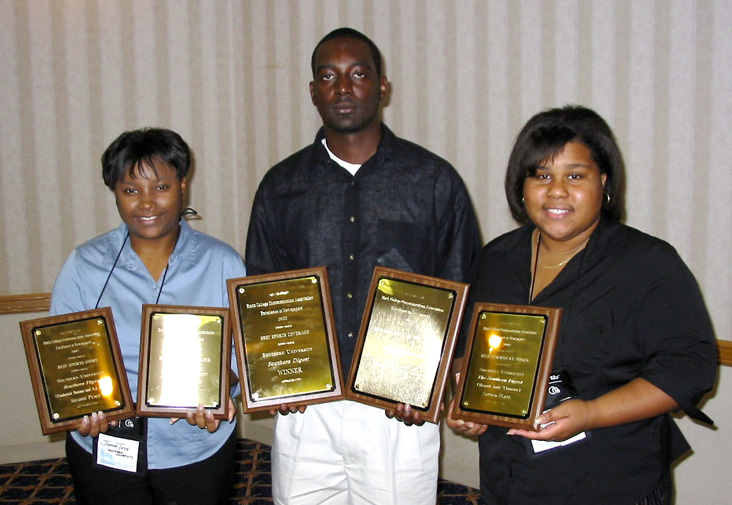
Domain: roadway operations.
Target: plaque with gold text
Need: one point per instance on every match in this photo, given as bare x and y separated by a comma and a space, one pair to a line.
406, 342
76, 368
508, 359
285, 339
185, 358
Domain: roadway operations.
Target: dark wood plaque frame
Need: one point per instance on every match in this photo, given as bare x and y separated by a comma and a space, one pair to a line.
543, 369
27, 328
432, 412
148, 310
253, 405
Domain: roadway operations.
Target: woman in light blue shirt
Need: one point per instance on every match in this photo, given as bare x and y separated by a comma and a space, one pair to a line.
152, 257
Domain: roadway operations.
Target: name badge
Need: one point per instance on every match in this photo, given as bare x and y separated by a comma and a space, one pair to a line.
544, 445
118, 453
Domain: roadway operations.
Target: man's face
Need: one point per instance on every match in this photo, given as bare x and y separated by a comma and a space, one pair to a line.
346, 88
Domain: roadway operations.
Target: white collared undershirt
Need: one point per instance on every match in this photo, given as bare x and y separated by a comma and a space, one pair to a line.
351, 167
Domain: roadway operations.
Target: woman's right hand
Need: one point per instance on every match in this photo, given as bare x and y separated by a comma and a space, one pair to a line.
465, 427
94, 424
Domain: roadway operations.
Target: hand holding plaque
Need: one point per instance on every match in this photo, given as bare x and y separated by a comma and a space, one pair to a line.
76, 368
285, 339
406, 343
507, 365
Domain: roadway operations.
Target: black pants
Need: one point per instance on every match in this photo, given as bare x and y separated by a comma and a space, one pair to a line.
207, 482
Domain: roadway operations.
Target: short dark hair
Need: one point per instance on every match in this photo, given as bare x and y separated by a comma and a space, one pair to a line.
137, 149
349, 33
545, 135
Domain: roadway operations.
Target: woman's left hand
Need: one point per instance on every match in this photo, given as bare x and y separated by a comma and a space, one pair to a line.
636, 400
563, 421
204, 419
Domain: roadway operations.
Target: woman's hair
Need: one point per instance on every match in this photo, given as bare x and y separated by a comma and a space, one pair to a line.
545, 135
143, 149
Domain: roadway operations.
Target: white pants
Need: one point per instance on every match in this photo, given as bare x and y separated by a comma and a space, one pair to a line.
347, 453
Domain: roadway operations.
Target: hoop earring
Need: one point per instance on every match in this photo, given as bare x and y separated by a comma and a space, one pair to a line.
607, 198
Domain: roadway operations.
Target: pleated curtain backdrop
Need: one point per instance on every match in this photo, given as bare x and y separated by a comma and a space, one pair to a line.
231, 76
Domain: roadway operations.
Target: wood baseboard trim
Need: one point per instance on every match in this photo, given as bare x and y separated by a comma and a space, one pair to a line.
18, 304
724, 348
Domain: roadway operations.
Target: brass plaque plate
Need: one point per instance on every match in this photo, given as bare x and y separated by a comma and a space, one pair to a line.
406, 342
185, 358
76, 368
507, 366
285, 339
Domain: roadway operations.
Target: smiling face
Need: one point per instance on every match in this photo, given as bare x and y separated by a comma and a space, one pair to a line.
564, 198
346, 88
150, 204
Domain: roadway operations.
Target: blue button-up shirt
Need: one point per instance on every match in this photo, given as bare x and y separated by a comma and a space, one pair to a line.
197, 273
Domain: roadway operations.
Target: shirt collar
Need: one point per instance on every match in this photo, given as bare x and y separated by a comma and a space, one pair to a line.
383, 152
188, 243
186, 248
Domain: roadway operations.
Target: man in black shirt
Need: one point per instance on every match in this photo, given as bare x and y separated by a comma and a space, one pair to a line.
358, 197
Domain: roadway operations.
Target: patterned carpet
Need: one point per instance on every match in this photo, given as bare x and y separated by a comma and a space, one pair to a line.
48, 481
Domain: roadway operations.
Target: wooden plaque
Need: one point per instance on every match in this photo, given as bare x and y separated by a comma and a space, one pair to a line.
406, 341
508, 360
285, 339
76, 368
185, 358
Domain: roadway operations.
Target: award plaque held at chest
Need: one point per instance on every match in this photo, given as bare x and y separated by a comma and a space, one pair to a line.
406, 342
285, 339
507, 364
76, 368
185, 358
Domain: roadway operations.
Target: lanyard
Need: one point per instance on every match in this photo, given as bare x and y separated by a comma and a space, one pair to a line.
162, 283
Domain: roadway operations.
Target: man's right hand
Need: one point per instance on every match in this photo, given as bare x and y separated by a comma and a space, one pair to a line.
286, 408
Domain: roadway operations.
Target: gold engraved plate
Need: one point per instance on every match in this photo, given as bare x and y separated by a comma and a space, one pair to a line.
185, 360
285, 340
76, 368
404, 341
504, 363
76, 361
508, 361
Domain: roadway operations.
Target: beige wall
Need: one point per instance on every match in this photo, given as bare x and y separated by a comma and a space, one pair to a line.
20, 432
232, 77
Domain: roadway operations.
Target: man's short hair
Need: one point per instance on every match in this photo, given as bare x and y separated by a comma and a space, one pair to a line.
349, 33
